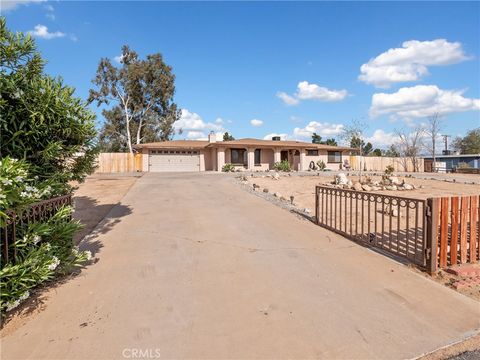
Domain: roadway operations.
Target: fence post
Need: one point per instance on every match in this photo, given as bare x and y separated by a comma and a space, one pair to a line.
316, 206
431, 218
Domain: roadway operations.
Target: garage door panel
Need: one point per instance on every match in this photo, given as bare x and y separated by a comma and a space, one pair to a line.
168, 162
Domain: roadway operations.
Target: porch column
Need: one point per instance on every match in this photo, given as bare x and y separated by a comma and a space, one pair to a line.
276, 155
251, 159
220, 158
302, 165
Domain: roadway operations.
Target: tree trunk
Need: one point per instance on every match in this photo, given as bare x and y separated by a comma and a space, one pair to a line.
139, 131
433, 151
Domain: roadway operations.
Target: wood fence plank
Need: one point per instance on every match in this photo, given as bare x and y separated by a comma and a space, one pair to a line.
444, 231
454, 236
463, 229
473, 228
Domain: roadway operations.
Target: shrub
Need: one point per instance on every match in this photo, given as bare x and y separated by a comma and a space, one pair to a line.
321, 165
282, 166
228, 168
44, 250
42, 121
463, 165
389, 170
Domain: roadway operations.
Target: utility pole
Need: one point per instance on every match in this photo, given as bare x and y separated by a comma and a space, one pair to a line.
445, 140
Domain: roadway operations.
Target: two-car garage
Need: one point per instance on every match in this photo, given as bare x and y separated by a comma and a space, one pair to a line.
173, 160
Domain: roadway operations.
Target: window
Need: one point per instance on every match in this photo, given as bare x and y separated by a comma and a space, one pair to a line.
257, 156
312, 152
239, 156
334, 157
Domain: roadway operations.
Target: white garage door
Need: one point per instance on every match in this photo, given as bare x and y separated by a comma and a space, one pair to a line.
173, 160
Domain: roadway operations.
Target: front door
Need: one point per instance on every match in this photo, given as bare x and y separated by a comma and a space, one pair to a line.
284, 155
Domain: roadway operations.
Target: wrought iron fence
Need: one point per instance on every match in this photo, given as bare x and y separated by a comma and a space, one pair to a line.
17, 220
395, 224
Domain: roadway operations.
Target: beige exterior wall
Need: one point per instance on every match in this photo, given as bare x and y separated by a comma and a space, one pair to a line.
323, 155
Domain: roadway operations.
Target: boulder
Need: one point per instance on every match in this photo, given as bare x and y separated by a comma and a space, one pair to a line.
366, 187
265, 190
376, 188
341, 179
391, 187
408, 187
357, 186
394, 180
306, 211
275, 176
277, 194
376, 183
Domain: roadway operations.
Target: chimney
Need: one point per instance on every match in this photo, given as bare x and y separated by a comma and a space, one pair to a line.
276, 138
212, 137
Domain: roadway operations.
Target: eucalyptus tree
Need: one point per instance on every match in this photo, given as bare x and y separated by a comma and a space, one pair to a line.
138, 96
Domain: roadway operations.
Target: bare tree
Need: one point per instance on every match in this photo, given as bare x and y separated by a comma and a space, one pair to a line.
432, 130
353, 136
410, 145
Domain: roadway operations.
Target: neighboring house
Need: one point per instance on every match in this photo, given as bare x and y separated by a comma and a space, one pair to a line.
449, 163
245, 154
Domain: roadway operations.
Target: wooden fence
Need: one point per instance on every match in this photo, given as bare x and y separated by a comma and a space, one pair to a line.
119, 163
458, 229
433, 233
379, 163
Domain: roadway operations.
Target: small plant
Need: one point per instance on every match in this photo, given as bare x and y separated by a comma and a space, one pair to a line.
282, 166
321, 165
389, 170
228, 168
463, 165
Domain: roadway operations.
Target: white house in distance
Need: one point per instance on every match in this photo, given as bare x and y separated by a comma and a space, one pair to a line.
244, 154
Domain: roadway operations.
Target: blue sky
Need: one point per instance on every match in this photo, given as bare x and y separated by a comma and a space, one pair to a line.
294, 67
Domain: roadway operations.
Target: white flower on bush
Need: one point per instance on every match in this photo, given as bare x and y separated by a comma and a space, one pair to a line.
88, 255
36, 239
13, 304
24, 194
54, 264
48, 247
19, 178
7, 182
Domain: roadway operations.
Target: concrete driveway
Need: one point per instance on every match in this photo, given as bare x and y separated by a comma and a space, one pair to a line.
202, 269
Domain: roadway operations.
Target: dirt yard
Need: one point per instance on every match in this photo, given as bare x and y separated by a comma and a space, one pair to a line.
303, 187
96, 197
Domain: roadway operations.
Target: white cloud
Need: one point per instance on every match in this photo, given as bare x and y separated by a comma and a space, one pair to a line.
324, 129
409, 63
307, 91
256, 122
195, 127
41, 31
287, 99
118, 59
12, 5
421, 101
269, 136
382, 139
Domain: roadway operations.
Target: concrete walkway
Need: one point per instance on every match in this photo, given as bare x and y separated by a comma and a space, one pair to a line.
202, 269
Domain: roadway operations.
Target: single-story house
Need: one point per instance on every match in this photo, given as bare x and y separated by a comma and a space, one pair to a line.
449, 163
244, 154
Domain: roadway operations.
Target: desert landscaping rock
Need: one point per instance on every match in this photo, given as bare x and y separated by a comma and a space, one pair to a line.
366, 187
341, 179
357, 186
265, 190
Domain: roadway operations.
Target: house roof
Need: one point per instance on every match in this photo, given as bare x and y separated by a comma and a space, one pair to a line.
280, 143
175, 144
200, 144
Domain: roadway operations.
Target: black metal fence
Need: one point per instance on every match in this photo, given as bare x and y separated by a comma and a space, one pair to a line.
19, 219
395, 224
